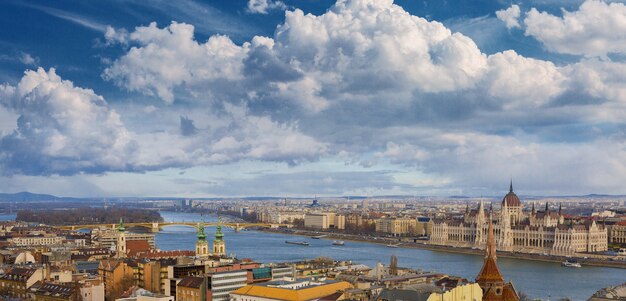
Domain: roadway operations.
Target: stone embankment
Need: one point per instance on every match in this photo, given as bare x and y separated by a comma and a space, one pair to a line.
582, 258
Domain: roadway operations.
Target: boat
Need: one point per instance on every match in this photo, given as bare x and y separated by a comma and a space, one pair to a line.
392, 245
571, 263
318, 237
301, 243
338, 243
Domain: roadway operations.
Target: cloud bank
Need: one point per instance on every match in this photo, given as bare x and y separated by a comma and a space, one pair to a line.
365, 83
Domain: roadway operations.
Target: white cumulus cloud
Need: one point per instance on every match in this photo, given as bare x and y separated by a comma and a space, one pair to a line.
510, 16
264, 6
597, 28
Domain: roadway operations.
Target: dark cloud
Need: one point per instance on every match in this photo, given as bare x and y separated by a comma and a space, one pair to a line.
187, 127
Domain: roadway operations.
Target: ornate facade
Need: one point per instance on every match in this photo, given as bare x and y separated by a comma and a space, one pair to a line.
516, 230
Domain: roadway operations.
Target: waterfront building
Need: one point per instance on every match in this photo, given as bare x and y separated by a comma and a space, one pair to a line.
490, 279
537, 231
219, 246
396, 226
297, 290
617, 233
326, 220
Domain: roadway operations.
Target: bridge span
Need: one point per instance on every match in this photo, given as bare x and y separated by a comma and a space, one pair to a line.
156, 227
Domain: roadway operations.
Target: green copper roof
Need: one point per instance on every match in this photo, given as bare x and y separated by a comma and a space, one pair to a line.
201, 235
218, 232
120, 227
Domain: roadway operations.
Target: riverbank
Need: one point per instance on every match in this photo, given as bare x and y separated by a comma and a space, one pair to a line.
449, 249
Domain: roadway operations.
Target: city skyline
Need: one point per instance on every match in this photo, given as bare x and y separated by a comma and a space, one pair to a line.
305, 98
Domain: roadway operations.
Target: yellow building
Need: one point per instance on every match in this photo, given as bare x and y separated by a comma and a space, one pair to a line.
191, 289
116, 276
467, 292
396, 226
300, 290
325, 220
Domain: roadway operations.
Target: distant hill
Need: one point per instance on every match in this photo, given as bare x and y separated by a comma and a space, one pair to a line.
26, 196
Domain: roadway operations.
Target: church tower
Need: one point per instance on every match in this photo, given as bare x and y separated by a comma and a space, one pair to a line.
490, 279
202, 246
219, 246
121, 240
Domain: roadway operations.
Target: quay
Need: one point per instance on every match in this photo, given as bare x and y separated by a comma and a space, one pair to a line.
450, 249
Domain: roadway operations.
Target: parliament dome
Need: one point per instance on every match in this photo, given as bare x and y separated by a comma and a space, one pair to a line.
511, 198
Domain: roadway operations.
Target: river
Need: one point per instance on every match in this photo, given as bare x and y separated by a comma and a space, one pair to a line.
537, 279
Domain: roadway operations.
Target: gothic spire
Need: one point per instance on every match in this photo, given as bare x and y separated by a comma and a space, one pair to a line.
511, 186
547, 207
533, 210
560, 207
490, 250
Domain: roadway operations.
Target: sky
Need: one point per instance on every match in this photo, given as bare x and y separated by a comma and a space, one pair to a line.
312, 97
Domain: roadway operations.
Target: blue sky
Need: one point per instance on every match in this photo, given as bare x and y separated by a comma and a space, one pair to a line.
303, 98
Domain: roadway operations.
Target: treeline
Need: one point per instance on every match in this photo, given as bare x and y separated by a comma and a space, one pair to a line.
84, 216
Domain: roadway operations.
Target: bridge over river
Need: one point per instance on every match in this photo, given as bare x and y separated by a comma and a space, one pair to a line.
156, 227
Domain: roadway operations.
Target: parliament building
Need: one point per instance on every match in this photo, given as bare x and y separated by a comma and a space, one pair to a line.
517, 230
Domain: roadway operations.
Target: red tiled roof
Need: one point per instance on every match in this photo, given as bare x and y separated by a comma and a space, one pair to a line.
191, 281
135, 247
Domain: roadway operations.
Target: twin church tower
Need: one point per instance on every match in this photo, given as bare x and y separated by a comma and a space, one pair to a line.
202, 245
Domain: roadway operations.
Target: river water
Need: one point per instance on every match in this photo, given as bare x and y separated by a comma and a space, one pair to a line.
536, 279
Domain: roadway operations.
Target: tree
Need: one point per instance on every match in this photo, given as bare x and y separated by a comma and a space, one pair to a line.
298, 222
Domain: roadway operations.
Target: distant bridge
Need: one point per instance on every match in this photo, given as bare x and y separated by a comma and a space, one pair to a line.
156, 227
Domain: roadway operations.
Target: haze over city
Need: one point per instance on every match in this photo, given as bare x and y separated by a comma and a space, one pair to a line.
304, 98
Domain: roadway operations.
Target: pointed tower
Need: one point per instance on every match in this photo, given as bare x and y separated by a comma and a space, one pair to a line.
219, 247
202, 246
480, 225
533, 211
121, 240
504, 225
490, 279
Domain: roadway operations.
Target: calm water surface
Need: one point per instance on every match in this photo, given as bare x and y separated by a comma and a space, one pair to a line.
537, 279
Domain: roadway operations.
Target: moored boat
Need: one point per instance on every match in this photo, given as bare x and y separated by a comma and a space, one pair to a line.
338, 243
301, 243
571, 263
